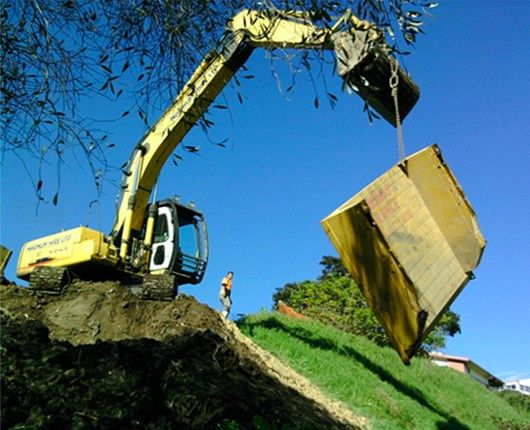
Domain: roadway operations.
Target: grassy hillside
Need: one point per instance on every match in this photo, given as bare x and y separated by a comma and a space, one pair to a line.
374, 383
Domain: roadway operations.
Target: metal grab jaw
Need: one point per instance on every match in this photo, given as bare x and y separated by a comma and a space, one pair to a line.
364, 63
411, 240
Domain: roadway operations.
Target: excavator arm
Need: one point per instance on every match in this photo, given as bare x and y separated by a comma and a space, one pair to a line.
362, 61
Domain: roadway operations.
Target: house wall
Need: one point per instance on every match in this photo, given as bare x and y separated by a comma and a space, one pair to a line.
521, 385
466, 366
459, 366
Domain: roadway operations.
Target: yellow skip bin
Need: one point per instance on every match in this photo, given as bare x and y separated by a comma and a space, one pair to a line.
411, 241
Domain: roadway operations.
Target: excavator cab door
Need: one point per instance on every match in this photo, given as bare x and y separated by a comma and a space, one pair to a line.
191, 261
163, 241
180, 242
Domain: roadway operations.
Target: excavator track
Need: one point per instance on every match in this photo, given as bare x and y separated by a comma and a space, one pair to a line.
49, 280
159, 287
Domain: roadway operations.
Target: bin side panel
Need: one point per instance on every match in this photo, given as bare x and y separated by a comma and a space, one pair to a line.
416, 241
448, 205
384, 285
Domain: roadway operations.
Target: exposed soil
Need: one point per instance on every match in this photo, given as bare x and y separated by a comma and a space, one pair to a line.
99, 357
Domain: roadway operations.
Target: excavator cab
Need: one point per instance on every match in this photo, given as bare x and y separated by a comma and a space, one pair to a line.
180, 242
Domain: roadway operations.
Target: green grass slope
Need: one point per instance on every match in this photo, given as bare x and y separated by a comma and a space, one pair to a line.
374, 383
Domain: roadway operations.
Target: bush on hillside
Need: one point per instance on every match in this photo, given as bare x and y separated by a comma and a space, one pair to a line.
518, 400
335, 298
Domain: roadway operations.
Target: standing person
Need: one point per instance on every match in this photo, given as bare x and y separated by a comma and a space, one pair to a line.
225, 292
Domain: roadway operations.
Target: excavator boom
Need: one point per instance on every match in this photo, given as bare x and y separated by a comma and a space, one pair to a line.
362, 55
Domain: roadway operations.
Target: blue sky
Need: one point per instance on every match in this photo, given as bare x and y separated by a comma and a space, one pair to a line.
288, 165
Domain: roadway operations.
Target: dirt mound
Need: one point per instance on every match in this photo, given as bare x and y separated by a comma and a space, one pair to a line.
99, 357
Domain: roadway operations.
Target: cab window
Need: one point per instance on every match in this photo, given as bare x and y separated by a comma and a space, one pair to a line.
161, 233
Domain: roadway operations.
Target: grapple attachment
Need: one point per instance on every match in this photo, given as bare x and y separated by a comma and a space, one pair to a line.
366, 68
411, 240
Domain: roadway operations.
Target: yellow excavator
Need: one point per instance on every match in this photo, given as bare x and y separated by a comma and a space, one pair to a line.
160, 245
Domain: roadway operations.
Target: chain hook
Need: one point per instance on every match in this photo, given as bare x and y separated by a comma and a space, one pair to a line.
394, 83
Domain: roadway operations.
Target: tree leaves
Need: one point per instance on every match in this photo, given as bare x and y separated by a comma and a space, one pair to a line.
372, 115
176, 159
332, 98
192, 149
142, 115
106, 68
335, 299
55, 55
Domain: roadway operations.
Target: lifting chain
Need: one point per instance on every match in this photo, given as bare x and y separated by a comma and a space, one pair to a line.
394, 82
